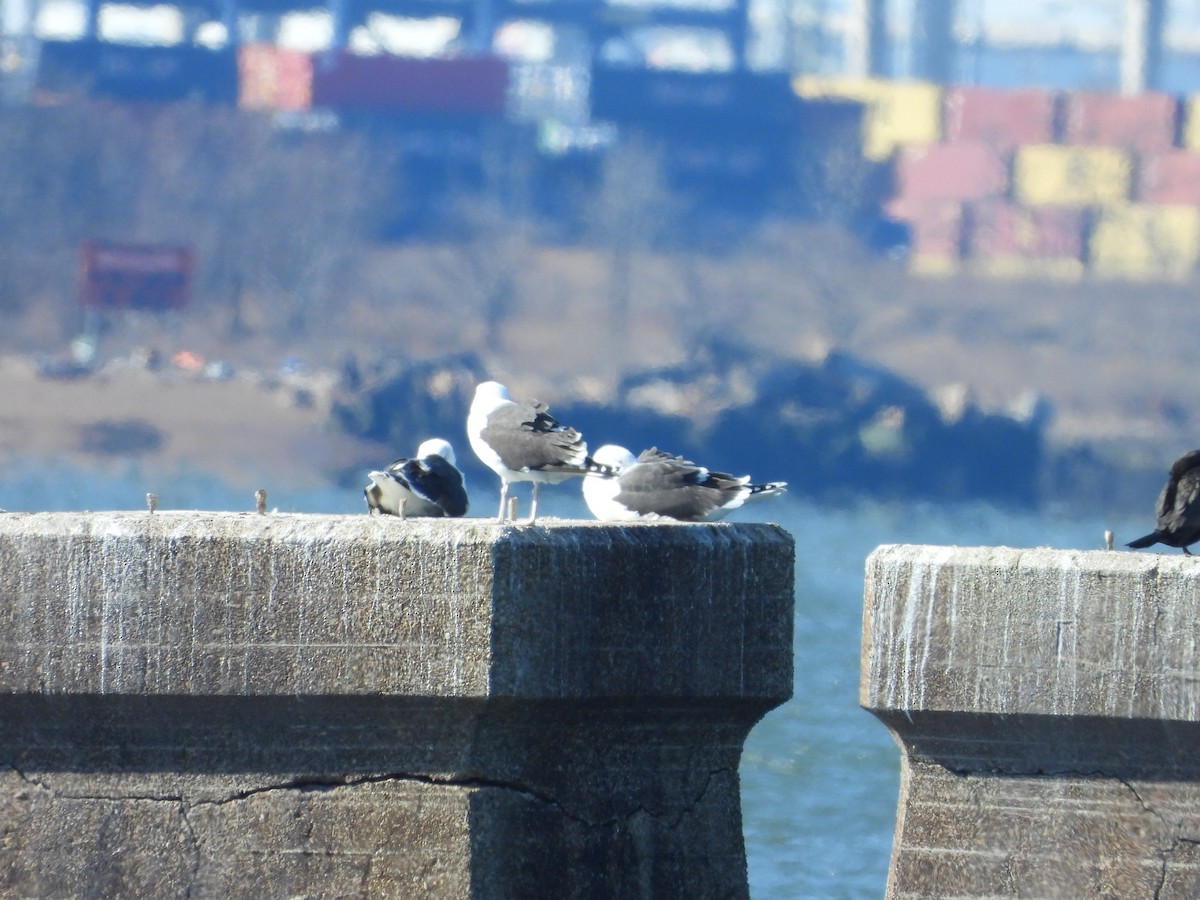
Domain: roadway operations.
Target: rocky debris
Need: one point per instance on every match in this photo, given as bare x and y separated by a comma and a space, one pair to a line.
831, 427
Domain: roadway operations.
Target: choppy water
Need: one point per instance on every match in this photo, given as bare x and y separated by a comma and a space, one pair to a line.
819, 775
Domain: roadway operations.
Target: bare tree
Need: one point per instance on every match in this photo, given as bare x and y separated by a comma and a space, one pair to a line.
281, 213
632, 208
497, 236
59, 182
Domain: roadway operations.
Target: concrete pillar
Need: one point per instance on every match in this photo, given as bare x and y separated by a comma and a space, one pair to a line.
1141, 45
1047, 704
212, 705
934, 45
867, 42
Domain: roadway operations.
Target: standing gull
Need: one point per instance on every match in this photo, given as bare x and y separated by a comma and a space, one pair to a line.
523, 442
1178, 507
658, 485
428, 484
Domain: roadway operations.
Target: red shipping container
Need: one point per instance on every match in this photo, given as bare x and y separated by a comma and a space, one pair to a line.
968, 170
1002, 119
1146, 122
256, 75
935, 225
1004, 229
273, 78
469, 85
293, 80
1169, 177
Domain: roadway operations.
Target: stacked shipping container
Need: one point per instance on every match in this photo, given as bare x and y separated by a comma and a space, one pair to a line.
271, 77
1036, 183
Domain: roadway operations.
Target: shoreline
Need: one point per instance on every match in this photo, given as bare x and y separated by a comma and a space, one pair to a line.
241, 428
247, 428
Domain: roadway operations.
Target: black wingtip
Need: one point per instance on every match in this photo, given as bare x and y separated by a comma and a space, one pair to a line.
1143, 542
594, 468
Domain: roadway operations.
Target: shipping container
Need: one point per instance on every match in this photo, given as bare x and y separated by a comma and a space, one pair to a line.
1147, 122
1144, 242
749, 101
935, 232
931, 266
468, 86
898, 113
1027, 268
1057, 175
138, 73
1001, 118
274, 78
1171, 177
964, 170
1002, 229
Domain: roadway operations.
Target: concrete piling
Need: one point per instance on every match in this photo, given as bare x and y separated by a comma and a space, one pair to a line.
219, 704
1047, 705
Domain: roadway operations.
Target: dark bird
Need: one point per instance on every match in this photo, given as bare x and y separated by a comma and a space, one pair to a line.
523, 442
1178, 508
659, 485
428, 484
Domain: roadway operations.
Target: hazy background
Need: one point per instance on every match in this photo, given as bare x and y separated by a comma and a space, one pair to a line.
355, 274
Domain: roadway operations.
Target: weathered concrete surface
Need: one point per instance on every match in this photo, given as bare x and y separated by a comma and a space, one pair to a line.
212, 705
1047, 704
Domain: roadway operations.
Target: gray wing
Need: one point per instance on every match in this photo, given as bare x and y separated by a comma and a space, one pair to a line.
666, 485
526, 436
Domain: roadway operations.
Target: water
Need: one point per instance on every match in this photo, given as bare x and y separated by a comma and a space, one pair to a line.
819, 775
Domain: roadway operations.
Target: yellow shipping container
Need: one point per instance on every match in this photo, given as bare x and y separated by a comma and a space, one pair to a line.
1058, 269
1143, 242
1059, 175
898, 113
930, 265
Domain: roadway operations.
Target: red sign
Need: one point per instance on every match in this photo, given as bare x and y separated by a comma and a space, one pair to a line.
154, 277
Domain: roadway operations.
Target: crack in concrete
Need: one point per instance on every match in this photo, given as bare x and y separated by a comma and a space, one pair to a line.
1175, 829
307, 784
194, 844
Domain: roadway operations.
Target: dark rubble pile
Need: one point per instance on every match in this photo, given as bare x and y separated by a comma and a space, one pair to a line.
835, 428
832, 428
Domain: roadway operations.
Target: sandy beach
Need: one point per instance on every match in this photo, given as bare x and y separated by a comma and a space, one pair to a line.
243, 428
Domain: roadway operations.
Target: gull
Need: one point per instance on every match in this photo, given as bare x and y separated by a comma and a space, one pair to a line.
428, 484
660, 485
523, 442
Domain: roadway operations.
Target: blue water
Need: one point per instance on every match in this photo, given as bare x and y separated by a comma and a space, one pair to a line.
819, 775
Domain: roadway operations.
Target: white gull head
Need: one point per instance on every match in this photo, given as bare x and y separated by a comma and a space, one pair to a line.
437, 447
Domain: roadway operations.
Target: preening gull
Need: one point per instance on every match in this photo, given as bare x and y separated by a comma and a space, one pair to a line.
523, 442
428, 484
659, 485
1177, 512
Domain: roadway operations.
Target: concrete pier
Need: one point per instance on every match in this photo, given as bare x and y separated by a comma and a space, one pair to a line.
1047, 704
213, 705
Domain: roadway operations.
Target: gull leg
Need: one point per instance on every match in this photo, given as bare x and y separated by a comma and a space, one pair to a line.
533, 503
503, 497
